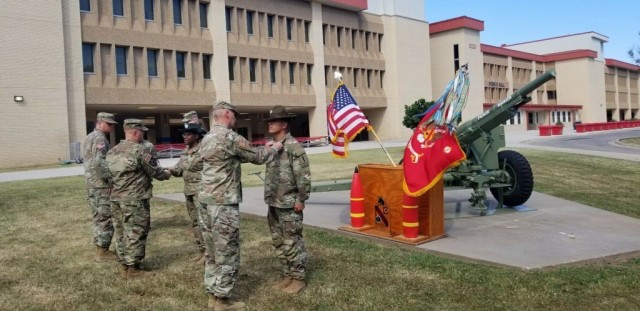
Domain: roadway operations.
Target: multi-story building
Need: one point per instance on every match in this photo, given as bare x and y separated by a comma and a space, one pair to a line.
64, 61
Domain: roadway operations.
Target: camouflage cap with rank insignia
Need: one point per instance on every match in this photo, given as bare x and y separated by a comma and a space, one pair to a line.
106, 117
225, 105
190, 116
134, 124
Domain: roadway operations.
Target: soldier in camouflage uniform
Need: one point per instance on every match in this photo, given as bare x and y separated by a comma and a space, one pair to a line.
223, 150
131, 166
94, 152
190, 168
286, 187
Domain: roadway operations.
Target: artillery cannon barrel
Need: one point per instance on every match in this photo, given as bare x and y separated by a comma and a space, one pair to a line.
471, 130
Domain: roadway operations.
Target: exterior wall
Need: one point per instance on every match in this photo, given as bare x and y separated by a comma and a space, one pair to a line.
621, 87
581, 81
589, 40
442, 63
49, 98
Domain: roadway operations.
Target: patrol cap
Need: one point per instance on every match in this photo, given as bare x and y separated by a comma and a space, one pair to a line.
225, 105
134, 124
106, 117
186, 117
193, 128
279, 112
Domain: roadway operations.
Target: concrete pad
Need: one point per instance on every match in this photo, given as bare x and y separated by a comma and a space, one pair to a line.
551, 231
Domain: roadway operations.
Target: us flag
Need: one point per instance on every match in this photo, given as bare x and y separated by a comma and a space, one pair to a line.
344, 120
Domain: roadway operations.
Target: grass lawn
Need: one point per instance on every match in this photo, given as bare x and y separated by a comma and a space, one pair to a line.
632, 141
46, 254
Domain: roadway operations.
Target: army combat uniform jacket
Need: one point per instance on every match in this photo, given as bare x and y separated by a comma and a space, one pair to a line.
190, 167
131, 167
223, 150
288, 178
94, 153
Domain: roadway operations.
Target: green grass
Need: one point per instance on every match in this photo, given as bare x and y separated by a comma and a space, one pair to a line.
46, 254
632, 141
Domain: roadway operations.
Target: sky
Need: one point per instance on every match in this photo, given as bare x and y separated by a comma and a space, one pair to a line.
516, 21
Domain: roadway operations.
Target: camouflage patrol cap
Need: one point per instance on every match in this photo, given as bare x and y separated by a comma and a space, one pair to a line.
134, 124
225, 105
106, 117
186, 117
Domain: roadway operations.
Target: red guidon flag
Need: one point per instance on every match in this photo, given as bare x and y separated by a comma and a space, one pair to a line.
431, 151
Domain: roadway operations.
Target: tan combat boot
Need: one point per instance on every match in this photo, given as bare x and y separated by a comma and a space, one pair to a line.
226, 304
122, 271
284, 283
136, 272
211, 303
104, 255
295, 287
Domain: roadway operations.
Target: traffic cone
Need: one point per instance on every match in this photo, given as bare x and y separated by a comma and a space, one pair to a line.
409, 216
357, 201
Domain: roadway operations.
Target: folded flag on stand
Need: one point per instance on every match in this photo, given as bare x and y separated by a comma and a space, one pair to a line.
345, 120
434, 147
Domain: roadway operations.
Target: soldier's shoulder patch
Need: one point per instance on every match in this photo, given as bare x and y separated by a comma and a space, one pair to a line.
147, 157
101, 145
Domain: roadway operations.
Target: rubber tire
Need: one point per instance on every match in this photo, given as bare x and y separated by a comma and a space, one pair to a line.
519, 169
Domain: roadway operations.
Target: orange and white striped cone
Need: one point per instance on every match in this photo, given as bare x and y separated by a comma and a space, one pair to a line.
410, 221
357, 201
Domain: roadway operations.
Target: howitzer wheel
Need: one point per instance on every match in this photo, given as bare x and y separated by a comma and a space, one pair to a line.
518, 168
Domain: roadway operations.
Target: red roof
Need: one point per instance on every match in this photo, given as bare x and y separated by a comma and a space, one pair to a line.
353, 5
541, 107
616, 63
545, 58
455, 23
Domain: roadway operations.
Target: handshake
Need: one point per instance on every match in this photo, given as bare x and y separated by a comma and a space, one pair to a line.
277, 145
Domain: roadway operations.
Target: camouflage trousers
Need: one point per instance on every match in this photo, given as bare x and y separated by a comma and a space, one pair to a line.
132, 221
102, 226
221, 233
286, 237
194, 215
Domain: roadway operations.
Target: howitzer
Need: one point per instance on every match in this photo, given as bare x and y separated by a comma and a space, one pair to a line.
506, 173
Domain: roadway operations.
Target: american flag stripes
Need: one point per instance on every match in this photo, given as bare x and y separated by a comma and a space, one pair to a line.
344, 120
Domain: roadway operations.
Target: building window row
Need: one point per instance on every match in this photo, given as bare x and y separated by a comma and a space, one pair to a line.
153, 56
262, 70
495, 94
357, 78
348, 38
522, 75
515, 120
495, 72
560, 116
251, 20
177, 6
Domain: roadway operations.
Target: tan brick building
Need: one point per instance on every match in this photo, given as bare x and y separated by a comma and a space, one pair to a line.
64, 61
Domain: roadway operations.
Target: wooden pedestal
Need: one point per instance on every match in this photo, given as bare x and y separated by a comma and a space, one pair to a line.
382, 187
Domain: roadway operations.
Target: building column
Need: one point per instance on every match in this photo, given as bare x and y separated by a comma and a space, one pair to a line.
317, 115
220, 56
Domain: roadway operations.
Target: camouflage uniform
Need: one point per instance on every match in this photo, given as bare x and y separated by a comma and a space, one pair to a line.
94, 152
190, 168
288, 181
132, 165
221, 191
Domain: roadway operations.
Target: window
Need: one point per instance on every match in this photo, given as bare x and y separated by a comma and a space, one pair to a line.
309, 69
85, 5
326, 73
339, 36
87, 57
177, 12
180, 56
380, 43
206, 66
118, 8
289, 26
270, 26
121, 60
203, 15
355, 77
152, 62
232, 63
369, 78
250, 22
148, 10
227, 17
324, 34
292, 70
272, 70
381, 79
366, 40
252, 69
306, 31
551, 95
456, 58
353, 38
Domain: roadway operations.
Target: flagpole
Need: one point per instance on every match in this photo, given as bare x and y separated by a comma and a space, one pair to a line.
381, 145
